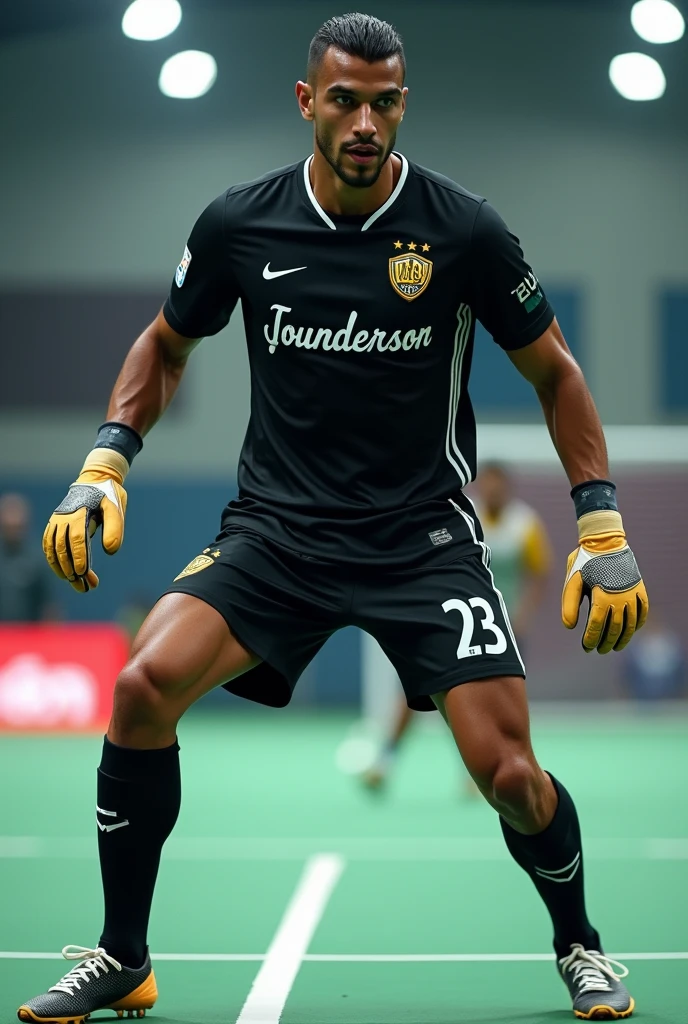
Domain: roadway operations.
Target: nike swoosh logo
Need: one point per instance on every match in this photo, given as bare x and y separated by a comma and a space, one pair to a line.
269, 274
111, 828
110, 814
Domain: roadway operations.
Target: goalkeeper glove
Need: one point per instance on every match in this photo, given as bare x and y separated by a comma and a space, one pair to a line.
96, 498
603, 569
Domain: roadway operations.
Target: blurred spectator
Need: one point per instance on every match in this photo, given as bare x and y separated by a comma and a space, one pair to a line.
654, 665
24, 574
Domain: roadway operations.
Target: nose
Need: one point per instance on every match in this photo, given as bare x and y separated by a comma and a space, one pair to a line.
364, 127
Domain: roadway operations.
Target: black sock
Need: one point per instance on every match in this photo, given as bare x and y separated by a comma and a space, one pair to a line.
554, 860
139, 795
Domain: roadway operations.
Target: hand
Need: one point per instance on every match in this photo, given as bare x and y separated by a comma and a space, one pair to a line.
604, 569
96, 498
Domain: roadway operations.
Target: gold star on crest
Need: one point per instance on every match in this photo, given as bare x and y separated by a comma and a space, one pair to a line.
412, 245
397, 245
216, 554
426, 247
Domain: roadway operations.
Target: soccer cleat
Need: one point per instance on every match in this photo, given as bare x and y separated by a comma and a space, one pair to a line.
99, 982
594, 986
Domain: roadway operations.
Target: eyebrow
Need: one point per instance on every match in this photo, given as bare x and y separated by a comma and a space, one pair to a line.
345, 90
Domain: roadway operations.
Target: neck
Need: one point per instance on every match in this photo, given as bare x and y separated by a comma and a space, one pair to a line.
335, 196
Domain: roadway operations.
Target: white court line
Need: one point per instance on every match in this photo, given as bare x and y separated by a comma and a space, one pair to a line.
366, 958
430, 849
274, 980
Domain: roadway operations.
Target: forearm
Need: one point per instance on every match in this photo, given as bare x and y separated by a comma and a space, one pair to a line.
146, 383
574, 426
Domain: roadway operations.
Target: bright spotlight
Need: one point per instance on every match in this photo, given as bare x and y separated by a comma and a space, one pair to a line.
657, 21
188, 74
637, 76
151, 19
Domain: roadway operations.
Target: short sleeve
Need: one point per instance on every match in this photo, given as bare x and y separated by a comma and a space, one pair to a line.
507, 297
203, 293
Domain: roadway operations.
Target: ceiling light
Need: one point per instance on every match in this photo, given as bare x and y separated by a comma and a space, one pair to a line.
657, 21
151, 19
188, 74
637, 76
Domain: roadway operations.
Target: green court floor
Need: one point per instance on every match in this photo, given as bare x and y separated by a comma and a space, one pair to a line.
422, 919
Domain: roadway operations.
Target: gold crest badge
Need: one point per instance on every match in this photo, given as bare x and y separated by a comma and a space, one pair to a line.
199, 563
410, 273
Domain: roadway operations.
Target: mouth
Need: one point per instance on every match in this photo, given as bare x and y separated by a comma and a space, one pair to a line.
363, 154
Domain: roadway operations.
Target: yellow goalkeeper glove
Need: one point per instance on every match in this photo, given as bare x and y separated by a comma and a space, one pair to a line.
96, 498
603, 568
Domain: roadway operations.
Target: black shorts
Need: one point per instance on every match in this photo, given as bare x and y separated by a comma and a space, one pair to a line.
439, 626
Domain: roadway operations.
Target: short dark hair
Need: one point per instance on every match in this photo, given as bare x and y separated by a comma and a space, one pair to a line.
360, 35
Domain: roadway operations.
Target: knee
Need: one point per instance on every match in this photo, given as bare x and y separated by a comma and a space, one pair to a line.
512, 783
515, 785
142, 697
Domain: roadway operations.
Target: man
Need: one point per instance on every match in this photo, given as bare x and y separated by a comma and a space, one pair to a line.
24, 577
520, 560
360, 275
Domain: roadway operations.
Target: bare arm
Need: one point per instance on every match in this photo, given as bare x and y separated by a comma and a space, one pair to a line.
150, 376
570, 412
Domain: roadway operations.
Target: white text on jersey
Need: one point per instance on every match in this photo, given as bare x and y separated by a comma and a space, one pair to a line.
343, 340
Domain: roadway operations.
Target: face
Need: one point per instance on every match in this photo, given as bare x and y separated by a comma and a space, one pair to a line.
494, 489
356, 108
14, 518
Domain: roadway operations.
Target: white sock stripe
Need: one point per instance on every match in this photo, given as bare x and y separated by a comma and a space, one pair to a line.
110, 814
559, 871
486, 556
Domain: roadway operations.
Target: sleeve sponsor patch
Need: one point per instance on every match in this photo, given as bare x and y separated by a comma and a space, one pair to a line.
183, 267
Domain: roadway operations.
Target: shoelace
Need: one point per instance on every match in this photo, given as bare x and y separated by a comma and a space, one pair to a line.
85, 972
589, 968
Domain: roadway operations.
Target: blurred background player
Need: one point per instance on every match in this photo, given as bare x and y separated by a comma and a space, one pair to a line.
24, 583
521, 561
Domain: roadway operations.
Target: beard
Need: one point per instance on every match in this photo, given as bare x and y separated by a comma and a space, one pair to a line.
364, 177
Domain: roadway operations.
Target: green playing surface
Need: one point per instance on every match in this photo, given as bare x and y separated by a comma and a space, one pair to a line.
424, 873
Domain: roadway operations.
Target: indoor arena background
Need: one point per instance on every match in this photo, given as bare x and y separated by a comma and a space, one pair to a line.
102, 178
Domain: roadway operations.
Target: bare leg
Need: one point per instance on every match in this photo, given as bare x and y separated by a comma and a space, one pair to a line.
490, 723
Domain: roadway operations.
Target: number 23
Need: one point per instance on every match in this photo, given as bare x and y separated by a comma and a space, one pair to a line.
466, 649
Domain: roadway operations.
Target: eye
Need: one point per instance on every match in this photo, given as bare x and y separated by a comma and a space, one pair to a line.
343, 100
386, 102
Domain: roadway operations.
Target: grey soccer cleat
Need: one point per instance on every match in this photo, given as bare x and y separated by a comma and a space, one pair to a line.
594, 986
99, 982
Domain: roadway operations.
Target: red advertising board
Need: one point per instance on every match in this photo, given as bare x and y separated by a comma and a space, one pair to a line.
58, 677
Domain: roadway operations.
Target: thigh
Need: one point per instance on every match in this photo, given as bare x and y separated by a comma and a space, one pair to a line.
440, 627
490, 722
186, 648
276, 604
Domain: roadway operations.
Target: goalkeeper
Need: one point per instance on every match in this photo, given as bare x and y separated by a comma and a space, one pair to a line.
351, 506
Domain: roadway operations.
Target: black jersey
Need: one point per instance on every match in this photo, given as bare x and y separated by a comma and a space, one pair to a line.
360, 335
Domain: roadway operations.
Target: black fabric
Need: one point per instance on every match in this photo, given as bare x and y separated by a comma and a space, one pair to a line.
440, 625
360, 334
558, 853
120, 436
594, 496
143, 789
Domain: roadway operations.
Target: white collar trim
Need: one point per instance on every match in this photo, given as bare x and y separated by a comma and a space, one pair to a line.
374, 216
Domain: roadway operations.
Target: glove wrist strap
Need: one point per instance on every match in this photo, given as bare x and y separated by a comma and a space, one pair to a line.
108, 462
595, 523
119, 437
594, 496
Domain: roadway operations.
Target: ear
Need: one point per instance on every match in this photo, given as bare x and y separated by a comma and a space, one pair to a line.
404, 94
305, 98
